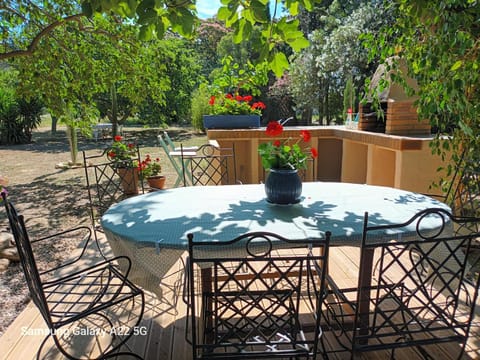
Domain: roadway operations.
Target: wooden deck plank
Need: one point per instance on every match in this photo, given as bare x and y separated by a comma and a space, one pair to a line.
165, 320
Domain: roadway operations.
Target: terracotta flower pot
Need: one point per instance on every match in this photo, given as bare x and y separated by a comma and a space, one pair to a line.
156, 182
129, 180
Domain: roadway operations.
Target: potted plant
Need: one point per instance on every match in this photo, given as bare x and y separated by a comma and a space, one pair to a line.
283, 159
150, 170
124, 158
230, 111
232, 103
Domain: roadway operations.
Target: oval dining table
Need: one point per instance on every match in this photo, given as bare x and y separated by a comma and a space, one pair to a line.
152, 228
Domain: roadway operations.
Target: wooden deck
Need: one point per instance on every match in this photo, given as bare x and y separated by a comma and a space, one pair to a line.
162, 331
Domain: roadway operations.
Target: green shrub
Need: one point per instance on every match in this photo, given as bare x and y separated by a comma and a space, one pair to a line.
200, 106
18, 117
17, 120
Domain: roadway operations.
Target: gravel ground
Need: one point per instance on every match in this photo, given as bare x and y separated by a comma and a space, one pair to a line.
53, 199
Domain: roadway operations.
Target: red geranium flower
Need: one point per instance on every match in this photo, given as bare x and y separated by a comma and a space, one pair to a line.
305, 135
121, 152
149, 167
274, 128
234, 104
258, 105
287, 153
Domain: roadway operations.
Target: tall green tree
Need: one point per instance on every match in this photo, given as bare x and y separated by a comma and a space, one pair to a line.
78, 61
205, 44
30, 20
439, 41
320, 72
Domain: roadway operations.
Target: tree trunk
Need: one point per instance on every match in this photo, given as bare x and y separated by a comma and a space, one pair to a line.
54, 124
114, 118
73, 142
307, 116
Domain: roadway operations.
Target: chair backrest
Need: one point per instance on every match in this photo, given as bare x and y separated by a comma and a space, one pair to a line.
258, 283
27, 259
211, 165
108, 181
421, 291
174, 161
168, 141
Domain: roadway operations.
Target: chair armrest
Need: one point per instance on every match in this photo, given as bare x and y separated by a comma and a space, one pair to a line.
112, 263
85, 240
86, 228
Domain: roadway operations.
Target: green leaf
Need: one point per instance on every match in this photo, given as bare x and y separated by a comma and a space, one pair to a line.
259, 11
278, 64
465, 128
148, 16
127, 8
228, 14
223, 13
87, 8
160, 27
457, 65
146, 32
293, 10
243, 31
299, 44
183, 22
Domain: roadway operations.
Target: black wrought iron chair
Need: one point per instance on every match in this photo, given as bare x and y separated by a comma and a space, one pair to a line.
247, 300
462, 194
110, 181
416, 294
210, 165
95, 304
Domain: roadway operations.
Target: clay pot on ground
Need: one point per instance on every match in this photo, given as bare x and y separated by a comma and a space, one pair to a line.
156, 182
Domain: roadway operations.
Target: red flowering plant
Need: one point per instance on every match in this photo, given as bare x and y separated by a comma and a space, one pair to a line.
149, 167
285, 154
235, 104
122, 153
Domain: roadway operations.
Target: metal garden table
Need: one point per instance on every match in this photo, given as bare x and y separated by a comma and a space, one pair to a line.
152, 228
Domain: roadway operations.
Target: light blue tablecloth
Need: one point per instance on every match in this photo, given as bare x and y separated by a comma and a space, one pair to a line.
224, 212
152, 228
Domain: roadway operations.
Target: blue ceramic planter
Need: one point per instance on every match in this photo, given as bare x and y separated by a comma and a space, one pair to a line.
231, 121
283, 187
